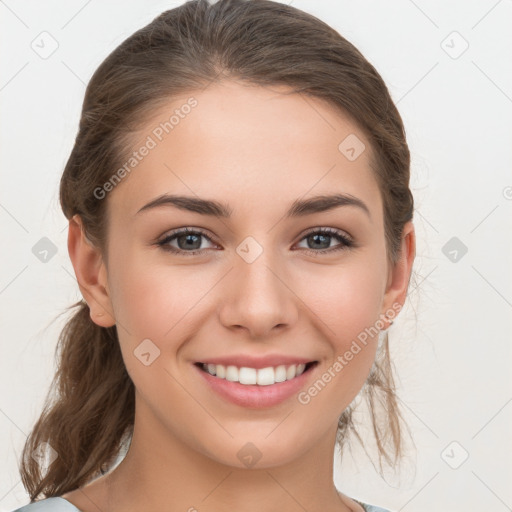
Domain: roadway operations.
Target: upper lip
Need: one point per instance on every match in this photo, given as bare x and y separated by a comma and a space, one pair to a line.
244, 360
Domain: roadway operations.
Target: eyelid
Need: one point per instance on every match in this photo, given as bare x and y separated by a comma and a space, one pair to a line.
345, 240
185, 230
328, 230
192, 229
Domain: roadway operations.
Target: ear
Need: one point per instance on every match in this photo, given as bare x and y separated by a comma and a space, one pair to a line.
400, 274
91, 273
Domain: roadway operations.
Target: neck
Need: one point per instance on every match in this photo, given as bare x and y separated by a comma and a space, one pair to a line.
163, 472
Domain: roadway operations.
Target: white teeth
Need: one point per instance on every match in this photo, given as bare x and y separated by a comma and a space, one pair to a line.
247, 375
220, 371
250, 376
280, 373
265, 377
232, 373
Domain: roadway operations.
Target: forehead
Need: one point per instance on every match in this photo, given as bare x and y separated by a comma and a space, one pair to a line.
246, 145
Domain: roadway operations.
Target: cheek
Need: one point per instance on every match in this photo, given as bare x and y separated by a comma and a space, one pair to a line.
349, 302
348, 299
161, 305
158, 302
348, 312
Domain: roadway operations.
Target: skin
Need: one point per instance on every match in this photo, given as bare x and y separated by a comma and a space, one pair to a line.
257, 150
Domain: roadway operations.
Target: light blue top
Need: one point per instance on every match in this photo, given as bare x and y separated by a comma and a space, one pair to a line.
49, 505
62, 505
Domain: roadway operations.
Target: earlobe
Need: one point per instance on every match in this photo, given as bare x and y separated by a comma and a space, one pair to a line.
91, 273
400, 274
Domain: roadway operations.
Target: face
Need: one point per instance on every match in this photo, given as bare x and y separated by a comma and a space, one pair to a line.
260, 281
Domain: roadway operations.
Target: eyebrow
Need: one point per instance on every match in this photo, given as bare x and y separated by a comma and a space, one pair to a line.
298, 208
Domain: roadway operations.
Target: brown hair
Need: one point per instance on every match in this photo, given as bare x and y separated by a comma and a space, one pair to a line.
90, 406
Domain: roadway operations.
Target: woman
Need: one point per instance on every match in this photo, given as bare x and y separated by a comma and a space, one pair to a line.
240, 226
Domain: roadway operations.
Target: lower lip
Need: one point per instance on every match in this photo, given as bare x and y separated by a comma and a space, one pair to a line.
255, 396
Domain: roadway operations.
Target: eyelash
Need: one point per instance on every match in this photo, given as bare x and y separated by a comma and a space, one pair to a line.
346, 242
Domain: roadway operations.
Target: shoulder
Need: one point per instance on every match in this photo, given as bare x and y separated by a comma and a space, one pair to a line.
371, 508
55, 504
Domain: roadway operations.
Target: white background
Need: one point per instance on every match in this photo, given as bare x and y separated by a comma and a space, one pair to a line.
451, 345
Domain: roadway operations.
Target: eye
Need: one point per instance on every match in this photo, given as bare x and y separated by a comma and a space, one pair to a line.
321, 239
186, 239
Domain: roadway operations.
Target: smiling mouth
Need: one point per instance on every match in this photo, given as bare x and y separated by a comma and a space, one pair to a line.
252, 376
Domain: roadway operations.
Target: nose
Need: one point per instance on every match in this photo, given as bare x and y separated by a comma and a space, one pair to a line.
257, 298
